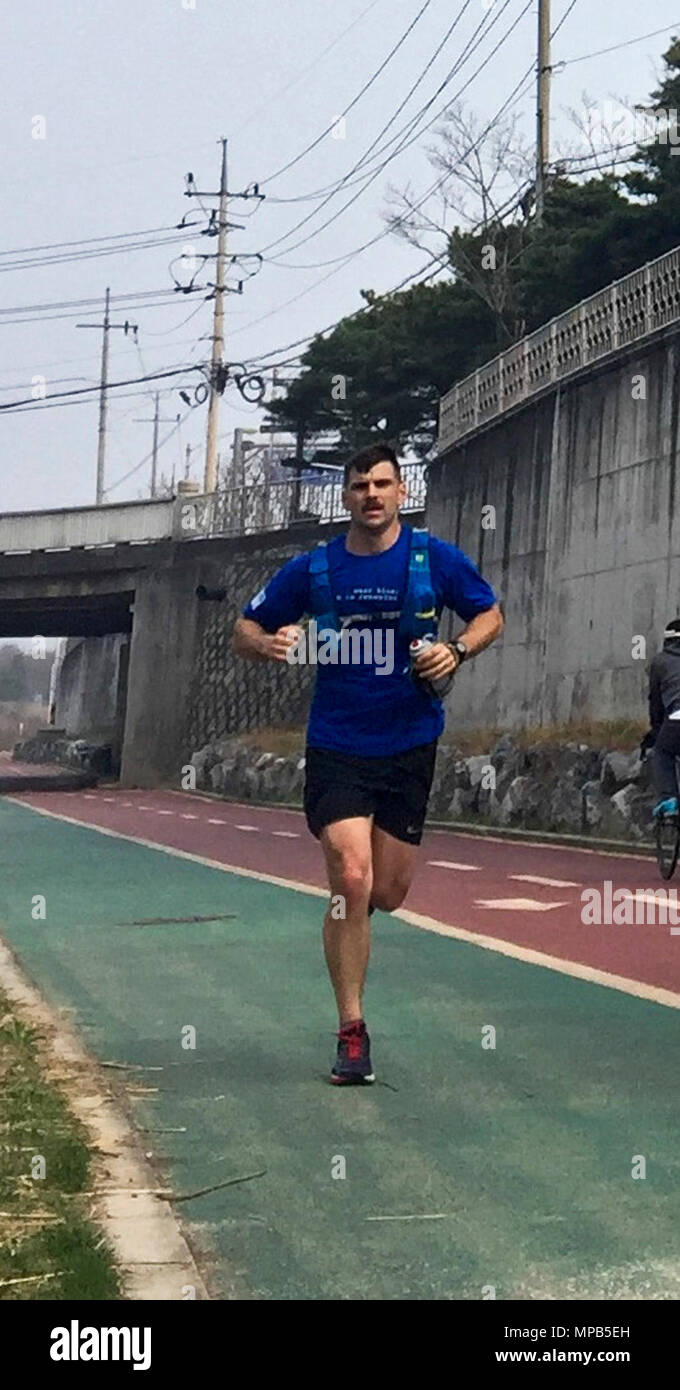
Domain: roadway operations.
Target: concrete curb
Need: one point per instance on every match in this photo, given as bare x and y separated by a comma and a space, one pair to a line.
636, 848
155, 1260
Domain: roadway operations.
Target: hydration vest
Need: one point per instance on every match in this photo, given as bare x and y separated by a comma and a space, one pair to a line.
418, 617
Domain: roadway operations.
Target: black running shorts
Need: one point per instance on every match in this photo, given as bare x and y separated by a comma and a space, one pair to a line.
394, 790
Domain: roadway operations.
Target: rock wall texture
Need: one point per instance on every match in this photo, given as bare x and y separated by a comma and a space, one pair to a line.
229, 695
54, 746
569, 788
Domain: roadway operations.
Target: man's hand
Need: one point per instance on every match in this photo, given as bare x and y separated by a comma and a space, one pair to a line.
251, 640
436, 662
278, 643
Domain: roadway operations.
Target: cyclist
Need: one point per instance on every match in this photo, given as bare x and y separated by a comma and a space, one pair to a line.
372, 733
664, 719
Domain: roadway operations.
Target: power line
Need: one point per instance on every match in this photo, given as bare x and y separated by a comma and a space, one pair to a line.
146, 458
564, 19
345, 181
408, 129
83, 241
404, 145
312, 146
86, 390
266, 106
83, 303
515, 95
582, 57
330, 188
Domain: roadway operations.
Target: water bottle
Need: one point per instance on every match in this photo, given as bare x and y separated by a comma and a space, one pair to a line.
437, 689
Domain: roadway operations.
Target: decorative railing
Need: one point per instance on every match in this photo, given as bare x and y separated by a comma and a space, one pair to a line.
235, 511
622, 313
242, 511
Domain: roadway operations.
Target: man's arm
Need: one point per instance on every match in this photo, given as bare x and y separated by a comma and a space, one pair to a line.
252, 642
656, 709
482, 630
439, 660
268, 624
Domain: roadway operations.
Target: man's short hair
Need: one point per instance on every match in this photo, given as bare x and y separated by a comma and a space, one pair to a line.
364, 461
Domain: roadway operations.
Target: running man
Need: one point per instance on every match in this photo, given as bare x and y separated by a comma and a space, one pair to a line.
373, 725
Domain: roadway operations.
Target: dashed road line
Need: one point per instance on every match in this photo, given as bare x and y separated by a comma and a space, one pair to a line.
451, 864
186, 815
546, 882
517, 904
287, 834
212, 820
246, 827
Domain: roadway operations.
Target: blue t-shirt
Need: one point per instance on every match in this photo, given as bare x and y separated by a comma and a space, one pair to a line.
359, 708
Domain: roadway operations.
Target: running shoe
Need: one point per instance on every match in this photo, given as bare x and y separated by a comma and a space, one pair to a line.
353, 1062
666, 808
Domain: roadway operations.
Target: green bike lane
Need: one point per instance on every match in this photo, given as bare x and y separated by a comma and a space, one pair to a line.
465, 1167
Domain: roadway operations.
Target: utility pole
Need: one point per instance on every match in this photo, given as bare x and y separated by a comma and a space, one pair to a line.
146, 420
542, 105
217, 360
219, 372
104, 381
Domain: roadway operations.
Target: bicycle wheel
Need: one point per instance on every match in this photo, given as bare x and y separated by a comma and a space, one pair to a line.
667, 844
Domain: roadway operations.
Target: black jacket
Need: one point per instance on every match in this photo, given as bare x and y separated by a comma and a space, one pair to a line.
664, 683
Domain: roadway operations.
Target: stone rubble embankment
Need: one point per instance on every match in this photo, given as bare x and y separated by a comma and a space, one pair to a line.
568, 788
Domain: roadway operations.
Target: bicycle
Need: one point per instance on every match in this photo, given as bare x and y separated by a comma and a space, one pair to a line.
667, 836
666, 832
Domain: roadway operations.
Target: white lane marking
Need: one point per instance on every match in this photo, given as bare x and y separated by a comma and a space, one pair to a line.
145, 808
451, 864
108, 798
246, 827
546, 882
287, 834
213, 821
186, 815
455, 834
434, 1216
89, 796
165, 813
516, 904
589, 973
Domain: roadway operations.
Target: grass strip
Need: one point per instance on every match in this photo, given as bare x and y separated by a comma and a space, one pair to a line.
49, 1248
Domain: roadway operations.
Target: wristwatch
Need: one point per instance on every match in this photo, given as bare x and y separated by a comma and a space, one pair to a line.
460, 650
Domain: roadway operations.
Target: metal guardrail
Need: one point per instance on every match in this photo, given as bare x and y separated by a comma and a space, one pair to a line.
622, 313
243, 511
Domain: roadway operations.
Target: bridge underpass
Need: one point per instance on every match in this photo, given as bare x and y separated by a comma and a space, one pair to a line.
68, 615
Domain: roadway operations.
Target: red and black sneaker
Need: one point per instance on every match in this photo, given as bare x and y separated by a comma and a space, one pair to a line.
353, 1062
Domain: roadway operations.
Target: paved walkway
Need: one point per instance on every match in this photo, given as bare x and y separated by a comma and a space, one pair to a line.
464, 1166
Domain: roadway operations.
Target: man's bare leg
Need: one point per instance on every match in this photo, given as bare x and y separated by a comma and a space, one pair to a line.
347, 847
393, 864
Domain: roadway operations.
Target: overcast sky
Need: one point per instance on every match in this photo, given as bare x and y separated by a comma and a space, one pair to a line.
137, 92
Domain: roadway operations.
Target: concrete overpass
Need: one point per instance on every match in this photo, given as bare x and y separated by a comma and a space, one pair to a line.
141, 570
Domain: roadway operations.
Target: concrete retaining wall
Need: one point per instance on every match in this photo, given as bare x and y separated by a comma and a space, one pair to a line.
585, 553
